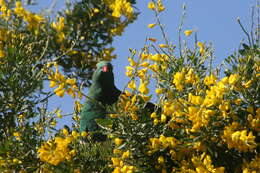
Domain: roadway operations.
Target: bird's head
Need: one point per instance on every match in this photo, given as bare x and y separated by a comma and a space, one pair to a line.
103, 73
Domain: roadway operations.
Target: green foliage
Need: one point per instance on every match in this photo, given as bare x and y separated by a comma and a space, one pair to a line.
30, 44
90, 28
201, 122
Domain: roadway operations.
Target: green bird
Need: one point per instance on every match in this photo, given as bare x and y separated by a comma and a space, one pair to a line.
102, 92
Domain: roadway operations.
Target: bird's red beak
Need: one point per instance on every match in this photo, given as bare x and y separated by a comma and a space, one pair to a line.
105, 68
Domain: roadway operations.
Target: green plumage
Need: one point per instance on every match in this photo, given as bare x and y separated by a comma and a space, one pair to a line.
102, 92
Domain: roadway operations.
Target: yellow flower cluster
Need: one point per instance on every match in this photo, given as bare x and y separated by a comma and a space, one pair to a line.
3, 37
188, 32
2, 162
201, 47
34, 20
141, 71
119, 161
107, 54
118, 30
180, 78
156, 6
59, 26
120, 7
68, 85
6, 161
216, 93
129, 104
57, 150
203, 164
162, 142
210, 80
254, 121
17, 135
253, 166
5, 12
242, 140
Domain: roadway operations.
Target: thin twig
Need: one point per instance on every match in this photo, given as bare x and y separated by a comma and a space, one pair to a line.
248, 37
252, 25
180, 28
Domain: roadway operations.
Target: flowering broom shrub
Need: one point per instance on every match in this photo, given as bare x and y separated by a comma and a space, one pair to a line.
205, 119
34, 48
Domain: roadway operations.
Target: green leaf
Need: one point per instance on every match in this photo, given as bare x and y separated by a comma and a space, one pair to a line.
105, 123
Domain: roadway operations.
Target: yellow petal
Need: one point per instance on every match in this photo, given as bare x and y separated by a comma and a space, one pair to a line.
151, 25
188, 32
152, 39
52, 84
163, 45
151, 5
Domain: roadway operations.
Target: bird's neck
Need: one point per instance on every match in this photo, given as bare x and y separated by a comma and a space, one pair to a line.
107, 94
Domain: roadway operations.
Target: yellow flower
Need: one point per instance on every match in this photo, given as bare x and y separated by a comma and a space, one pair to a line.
191, 77
129, 71
154, 143
201, 47
53, 84
84, 134
115, 161
151, 25
118, 141
53, 123
120, 7
75, 134
56, 151
146, 98
163, 45
117, 151
233, 78
178, 78
160, 6
96, 10
132, 85
132, 62
143, 87
196, 100
17, 135
58, 113
241, 140
159, 91
155, 121
126, 154
59, 91
77, 106
2, 53
156, 57
151, 5
142, 73
210, 80
247, 84
188, 32
144, 56
71, 81
145, 64
152, 39
153, 115
238, 101
160, 160
163, 118
16, 161
65, 132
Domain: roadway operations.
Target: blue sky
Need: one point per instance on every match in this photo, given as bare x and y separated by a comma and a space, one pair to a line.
215, 22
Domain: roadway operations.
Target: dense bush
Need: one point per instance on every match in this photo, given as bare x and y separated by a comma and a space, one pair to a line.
206, 118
